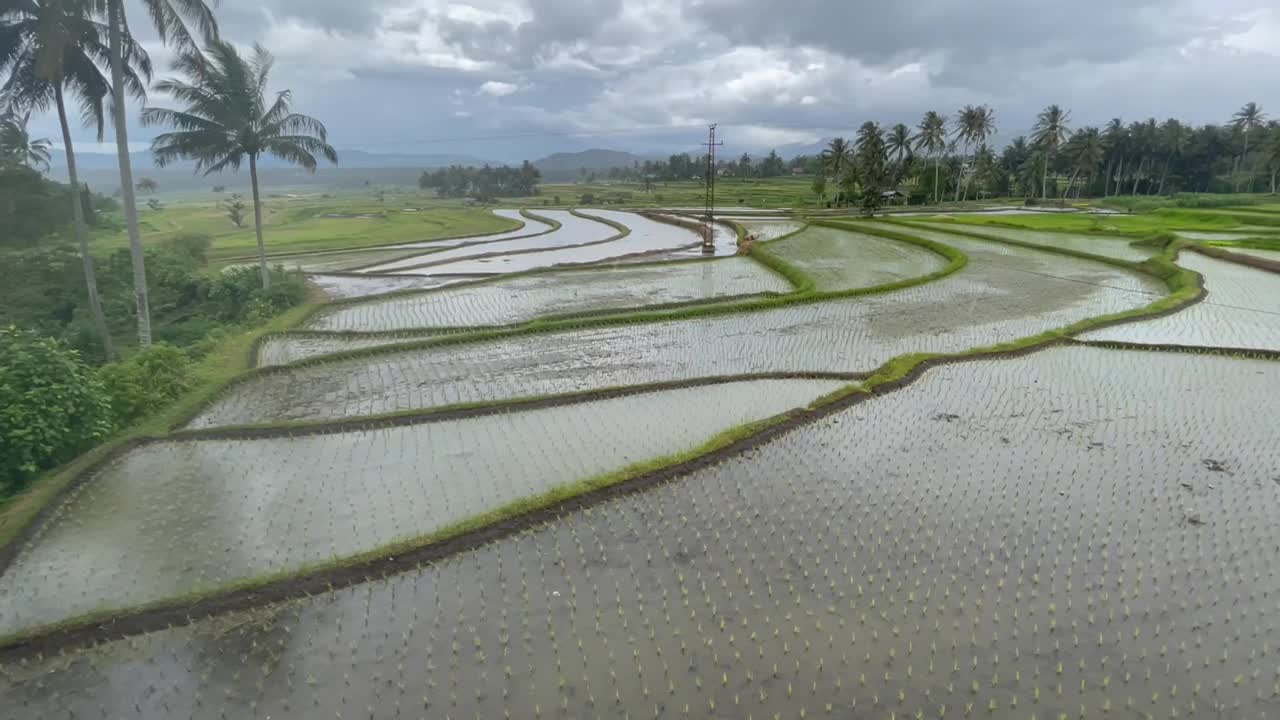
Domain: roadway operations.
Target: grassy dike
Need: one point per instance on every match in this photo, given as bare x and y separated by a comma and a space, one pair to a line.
1185, 287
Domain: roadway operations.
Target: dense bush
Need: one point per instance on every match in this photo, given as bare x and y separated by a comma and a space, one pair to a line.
146, 382
187, 301
51, 406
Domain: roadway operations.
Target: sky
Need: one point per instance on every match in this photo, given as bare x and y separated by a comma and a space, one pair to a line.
506, 80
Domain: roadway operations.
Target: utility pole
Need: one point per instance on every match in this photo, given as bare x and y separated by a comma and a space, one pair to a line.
708, 239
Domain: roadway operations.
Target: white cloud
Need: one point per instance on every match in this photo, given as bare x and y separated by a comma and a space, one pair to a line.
497, 88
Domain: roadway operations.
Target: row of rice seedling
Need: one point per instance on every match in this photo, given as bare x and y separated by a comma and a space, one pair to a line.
772, 229
1242, 310
174, 517
1106, 245
843, 259
532, 225
527, 297
1077, 532
351, 285
1004, 293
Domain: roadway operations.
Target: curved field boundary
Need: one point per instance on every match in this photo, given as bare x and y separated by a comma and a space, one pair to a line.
244, 258
1253, 354
622, 231
553, 225
1253, 261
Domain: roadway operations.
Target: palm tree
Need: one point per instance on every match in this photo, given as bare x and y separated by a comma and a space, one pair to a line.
1088, 148
1249, 117
898, 145
1050, 131
169, 17
17, 147
835, 157
1272, 153
965, 120
1114, 137
976, 125
228, 119
51, 47
933, 139
1173, 140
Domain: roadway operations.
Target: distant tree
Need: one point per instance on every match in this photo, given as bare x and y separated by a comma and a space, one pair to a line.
1114, 136
872, 159
18, 148
820, 187
227, 119
154, 204
1087, 148
588, 198
835, 157
1173, 141
898, 145
235, 209
147, 185
1050, 131
932, 138
1273, 155
974, 126
219, 188
772, 165
1246, 119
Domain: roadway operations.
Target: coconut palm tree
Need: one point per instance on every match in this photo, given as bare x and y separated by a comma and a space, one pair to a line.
835, 157
933, 139
1114, 137
1273, 155
1087, 148
1050, 131
965, 121
1249, 117
1173, 141
228, 119
51, 48
169, 18
17, 147
977, 124
898, 145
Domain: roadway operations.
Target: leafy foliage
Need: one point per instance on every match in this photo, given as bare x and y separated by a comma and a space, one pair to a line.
146, 382
51, 406
485, 183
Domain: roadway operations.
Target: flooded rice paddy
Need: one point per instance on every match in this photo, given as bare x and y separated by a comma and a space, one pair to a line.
1078, 532
1075, 532
170, 517
845, 260
1241, 310
1004, 293
524, 298
1105, 245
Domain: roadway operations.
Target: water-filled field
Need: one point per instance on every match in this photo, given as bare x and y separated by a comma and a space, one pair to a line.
1027, 526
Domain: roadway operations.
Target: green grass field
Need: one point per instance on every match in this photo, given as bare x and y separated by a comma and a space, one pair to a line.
1136, 224
313, 223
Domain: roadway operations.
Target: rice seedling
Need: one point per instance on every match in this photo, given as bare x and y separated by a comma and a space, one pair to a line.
843, 259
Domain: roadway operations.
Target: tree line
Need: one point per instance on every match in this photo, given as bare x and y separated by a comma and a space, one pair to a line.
485, 184
953, 158
55, 50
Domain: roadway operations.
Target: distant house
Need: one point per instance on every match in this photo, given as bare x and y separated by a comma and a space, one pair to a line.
893, 196
797, 171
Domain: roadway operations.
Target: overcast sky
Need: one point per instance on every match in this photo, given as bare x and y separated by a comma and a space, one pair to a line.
508, 79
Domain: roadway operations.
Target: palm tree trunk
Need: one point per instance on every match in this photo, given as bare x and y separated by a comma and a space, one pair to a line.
1253, 165
115, 22
1044, 176
1070, 182
82, 234
937, 161
1137, 175
257, 221
960, 178
1120, 177
1106, 178
1273, 181
1164, 175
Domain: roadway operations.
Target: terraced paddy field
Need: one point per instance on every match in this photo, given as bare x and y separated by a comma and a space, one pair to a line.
872, 469
1067, 533
173, 516
1109, 246
841, 259
1004, 293
1241, 310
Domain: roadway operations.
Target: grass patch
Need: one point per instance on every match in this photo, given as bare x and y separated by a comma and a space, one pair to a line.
299, 226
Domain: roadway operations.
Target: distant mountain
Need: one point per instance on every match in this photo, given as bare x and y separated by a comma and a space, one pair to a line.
594, 159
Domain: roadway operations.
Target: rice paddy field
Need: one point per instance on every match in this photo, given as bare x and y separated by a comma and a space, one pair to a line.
901, 468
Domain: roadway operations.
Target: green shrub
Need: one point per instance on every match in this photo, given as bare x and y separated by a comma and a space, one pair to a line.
51, 406
237, 295
146, 382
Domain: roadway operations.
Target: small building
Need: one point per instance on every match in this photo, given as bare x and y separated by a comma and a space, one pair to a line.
890, 197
